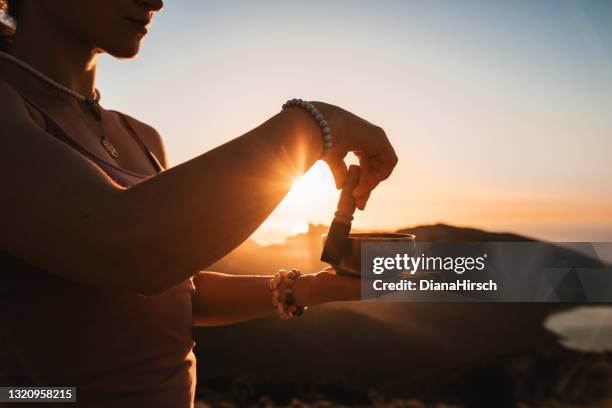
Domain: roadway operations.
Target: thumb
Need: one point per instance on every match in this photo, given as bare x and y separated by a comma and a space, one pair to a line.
338, 168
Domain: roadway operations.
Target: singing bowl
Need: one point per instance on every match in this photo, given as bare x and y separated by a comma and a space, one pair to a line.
350, 263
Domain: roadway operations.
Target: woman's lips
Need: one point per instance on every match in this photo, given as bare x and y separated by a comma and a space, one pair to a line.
140, 25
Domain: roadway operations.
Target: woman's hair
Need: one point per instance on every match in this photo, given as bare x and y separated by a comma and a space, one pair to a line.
8, 21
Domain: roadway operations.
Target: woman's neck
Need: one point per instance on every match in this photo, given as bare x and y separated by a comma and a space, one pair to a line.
55, 53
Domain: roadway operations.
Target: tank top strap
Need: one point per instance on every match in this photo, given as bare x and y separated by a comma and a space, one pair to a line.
150, 155
122, 176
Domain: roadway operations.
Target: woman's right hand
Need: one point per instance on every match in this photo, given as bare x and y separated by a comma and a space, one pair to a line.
350, 133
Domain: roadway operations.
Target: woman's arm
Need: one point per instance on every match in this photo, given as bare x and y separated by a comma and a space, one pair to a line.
61, 213
191, 215
222, 299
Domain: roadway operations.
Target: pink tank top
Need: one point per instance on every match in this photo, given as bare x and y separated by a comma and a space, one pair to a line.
119, 350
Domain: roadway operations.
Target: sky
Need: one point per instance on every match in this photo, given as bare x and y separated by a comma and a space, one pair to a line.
500, 112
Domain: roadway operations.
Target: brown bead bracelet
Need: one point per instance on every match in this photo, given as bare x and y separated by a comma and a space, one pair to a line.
284, 302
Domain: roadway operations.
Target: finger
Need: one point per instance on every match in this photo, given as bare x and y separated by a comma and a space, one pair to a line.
387, 160
365, 182
338, 168
370, 183
363, 200
376, 169
328, 269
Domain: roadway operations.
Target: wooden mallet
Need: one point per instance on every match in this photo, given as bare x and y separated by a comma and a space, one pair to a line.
337, 237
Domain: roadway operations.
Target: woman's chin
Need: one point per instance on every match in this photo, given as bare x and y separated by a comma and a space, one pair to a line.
125, 50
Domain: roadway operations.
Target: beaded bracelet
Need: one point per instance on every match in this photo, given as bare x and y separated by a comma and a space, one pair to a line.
318, 117
285, 305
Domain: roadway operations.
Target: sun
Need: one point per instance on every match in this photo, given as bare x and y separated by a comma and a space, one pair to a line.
299, 227
313, 187
312, 199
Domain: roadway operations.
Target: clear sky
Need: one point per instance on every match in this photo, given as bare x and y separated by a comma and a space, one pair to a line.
501, 112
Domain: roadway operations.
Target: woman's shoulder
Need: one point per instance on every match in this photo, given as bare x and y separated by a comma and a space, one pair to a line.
14, 109
150, 137
11, 100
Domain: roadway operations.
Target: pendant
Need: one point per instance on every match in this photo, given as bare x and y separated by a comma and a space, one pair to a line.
95, 110
110, 148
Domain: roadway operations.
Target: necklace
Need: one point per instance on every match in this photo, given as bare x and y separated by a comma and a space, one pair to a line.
92, 103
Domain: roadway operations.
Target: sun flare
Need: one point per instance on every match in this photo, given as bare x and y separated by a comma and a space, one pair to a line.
312, 199
299, 227
313, 187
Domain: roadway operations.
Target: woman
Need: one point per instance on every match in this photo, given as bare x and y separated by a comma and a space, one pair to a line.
100, 248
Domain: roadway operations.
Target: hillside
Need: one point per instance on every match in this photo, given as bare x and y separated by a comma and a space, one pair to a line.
348, 352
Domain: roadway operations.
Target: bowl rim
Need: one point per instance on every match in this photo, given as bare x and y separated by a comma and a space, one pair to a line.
381, 236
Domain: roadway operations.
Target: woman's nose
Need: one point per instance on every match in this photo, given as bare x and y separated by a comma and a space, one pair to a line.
153, 5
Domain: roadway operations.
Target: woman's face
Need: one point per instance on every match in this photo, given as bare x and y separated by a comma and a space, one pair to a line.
113, 26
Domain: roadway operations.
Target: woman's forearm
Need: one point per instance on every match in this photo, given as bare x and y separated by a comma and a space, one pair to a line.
188, 217
222, 299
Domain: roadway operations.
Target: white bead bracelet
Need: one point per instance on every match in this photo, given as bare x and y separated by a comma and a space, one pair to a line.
318, 117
